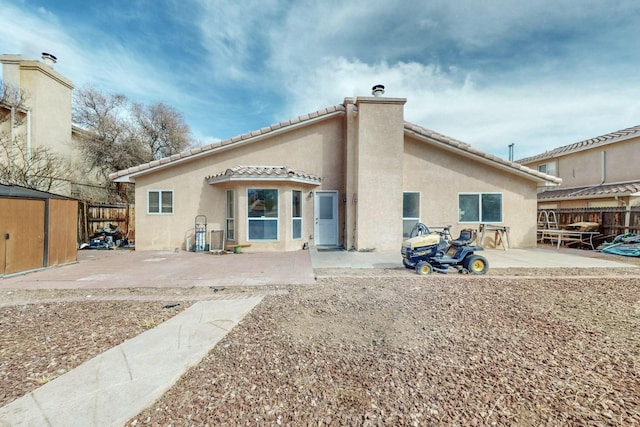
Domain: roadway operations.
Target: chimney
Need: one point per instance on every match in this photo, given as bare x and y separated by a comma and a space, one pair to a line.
377, 90
49, 59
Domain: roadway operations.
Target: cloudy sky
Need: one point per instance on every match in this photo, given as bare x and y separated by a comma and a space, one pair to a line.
539, 74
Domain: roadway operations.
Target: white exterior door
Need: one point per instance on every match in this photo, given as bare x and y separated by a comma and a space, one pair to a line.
326, 218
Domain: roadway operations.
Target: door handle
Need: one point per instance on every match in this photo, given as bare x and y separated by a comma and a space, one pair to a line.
6, 236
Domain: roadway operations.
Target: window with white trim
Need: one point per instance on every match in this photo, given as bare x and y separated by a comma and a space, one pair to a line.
550, 168
480, 207
230, 230
160, 202
296, 214
262, 214
410, 211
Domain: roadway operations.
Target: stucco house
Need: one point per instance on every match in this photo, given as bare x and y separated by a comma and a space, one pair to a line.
44, 120
354, 175
598, 172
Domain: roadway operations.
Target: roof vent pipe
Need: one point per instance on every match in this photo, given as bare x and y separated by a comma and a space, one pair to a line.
49, 59
377, 90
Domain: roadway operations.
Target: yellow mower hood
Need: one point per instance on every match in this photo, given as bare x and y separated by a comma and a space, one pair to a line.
421, 241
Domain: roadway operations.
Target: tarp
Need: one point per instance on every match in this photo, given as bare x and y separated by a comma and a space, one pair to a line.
625, 244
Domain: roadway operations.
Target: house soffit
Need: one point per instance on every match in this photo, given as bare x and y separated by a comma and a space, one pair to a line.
264, 174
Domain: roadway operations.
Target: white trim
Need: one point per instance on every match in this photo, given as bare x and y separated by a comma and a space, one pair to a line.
335, 216
301, 217
160, 192
276, 219
227, 218
481, 219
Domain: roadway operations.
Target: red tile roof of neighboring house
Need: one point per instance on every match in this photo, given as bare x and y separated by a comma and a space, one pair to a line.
418, 131
604, 190
609, 138
276, 173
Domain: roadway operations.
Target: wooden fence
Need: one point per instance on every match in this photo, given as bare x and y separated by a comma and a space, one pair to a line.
94, 217
613, 221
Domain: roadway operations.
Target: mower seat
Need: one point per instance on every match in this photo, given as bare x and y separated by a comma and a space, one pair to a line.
466, 236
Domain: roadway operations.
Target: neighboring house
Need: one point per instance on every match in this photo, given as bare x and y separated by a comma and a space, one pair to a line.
37, 229
354, 175
45, 119
601, 172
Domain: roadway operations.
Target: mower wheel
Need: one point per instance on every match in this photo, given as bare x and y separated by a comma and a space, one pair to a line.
423, 268
476, 264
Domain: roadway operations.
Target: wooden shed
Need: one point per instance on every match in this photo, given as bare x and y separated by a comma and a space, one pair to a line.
37, 229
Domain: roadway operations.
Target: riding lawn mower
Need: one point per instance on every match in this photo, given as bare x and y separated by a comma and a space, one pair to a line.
428, 251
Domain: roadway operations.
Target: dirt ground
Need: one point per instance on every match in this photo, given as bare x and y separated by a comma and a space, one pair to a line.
367, 347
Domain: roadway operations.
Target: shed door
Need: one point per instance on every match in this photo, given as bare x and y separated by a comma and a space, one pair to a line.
326, 213
21, 235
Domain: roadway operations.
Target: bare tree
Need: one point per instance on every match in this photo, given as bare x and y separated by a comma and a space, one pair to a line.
118, 134
161, 129
38, 168
108, 143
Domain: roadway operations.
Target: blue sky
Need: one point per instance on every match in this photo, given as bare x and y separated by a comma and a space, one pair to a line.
539, 74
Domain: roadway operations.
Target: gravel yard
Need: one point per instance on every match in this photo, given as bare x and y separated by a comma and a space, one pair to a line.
368, 347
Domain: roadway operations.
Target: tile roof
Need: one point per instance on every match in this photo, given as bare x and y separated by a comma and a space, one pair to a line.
610, 138
463, 147
262, 173
414, 129
317, 115
604, 190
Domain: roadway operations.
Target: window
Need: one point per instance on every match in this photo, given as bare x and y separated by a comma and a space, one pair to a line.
160, 202
231, 216
480, 207
549, 168
296, 215
410, 212
262, 212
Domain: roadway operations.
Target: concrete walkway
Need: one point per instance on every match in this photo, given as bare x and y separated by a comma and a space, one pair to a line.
497, 258
117, 385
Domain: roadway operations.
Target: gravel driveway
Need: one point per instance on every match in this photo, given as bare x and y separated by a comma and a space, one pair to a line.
374, 347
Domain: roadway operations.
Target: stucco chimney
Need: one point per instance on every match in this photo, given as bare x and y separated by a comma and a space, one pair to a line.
377, 90
49, 59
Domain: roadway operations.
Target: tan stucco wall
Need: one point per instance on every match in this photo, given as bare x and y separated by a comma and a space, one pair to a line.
364, 155
440, 175
586, 167
317, 150
378, 173
50, 103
